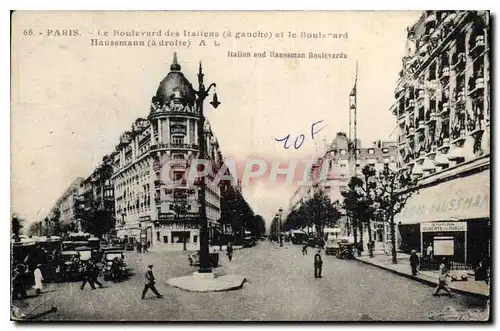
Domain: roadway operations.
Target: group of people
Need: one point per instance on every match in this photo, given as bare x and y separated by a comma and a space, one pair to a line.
20, 280
142, 248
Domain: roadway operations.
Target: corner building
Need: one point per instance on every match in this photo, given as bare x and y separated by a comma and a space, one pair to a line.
443, 112
145, 200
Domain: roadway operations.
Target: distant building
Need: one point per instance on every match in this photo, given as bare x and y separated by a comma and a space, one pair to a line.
332, 172
97, 191
67, 203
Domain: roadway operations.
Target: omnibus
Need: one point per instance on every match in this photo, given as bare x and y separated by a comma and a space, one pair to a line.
299, 237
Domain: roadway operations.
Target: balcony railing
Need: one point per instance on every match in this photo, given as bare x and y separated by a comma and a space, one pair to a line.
445, 73
478, 45
460, 60
174, 146
421, 95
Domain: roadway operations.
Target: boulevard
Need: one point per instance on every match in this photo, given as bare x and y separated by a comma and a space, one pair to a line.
280, 287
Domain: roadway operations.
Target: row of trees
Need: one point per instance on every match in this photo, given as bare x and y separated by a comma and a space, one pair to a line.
377, 196
317, 210
236, 211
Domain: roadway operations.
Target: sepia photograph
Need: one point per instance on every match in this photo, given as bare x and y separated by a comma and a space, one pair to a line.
260, 166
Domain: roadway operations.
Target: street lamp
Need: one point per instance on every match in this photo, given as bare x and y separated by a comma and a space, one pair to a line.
202, 94
281, 227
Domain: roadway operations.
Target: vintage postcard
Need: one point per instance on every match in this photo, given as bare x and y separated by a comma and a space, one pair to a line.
250, 166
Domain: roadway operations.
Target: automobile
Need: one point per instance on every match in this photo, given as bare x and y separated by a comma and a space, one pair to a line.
346, 251
24, 257
299, 237
249, 241
70, 267
95, 244
332, 246
113, 264
49, 249
67, 245
85, 253
129, 246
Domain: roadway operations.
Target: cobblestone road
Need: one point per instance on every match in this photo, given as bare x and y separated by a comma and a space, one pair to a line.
281, 286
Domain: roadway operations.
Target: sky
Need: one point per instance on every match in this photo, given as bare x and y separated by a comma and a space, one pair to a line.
71, 101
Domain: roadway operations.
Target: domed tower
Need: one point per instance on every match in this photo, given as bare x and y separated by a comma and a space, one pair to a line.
174, 122
173, 113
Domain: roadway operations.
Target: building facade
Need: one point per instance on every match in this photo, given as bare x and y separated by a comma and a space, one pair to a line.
155, 152
443, 111
332, 172
67, 204
97, 192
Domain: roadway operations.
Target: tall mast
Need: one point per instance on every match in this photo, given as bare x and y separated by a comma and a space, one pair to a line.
353, 138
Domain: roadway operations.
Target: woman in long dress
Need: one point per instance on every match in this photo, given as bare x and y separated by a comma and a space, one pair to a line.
38, 279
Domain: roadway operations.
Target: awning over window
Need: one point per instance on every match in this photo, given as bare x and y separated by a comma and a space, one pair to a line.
461, 198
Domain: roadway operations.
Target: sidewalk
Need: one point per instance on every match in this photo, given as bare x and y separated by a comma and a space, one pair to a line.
383, 261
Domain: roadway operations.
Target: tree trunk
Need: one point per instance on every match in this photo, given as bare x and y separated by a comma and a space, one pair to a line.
361, 248
368, 224
393, 240
354, 231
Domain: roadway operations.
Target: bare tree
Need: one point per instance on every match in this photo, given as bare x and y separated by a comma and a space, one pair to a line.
392, 191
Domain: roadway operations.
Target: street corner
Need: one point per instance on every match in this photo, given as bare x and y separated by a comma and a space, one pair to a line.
193, 283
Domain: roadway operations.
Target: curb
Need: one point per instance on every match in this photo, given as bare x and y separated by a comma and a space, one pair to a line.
422, 280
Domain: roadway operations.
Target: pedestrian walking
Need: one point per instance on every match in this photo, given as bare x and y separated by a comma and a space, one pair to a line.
429, 252
87, 276
371, 247
95, 274
444, 274
229, 250
304, 249
414, 261
37, 273
318, 264
146, 247
150, 283
18, 283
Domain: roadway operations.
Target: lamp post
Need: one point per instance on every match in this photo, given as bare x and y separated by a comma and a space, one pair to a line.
281, 227
202, 94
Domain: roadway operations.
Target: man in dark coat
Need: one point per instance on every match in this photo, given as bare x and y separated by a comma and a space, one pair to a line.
304, 249
88, 271
18, 283
318, 265
150, 283
414, 262
95, 273
229, 250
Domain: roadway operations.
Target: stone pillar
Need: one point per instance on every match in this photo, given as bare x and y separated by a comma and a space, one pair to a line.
160, 138
196, 132
167, 138
188, 138
153, 142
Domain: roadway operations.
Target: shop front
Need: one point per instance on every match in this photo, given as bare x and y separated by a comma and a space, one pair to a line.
452, 217
173, 230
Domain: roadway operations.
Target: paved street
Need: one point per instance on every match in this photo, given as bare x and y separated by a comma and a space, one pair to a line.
281, 286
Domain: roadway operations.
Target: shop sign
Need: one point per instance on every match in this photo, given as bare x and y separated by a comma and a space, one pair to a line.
162, 216
178, 129
443, 226
447, 205
145, 218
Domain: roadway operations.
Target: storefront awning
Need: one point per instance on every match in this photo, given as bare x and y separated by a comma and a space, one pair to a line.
461, 198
